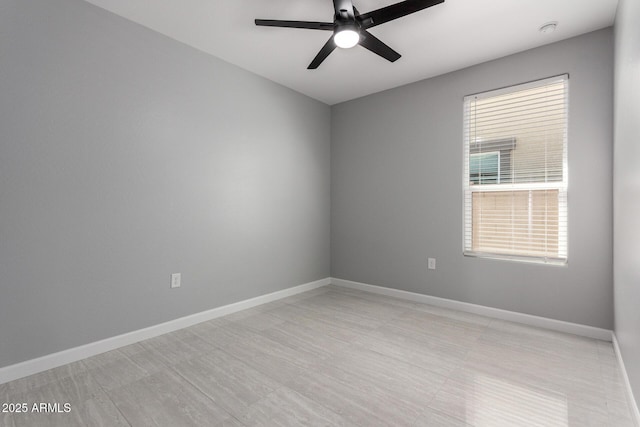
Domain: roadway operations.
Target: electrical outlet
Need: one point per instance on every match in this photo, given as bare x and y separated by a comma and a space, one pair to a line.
176, 278
432, 263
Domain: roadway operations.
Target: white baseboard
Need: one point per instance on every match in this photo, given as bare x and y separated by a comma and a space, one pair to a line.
496, 313
632, 401
50, 361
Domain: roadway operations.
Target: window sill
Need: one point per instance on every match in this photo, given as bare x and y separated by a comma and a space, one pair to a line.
518, 258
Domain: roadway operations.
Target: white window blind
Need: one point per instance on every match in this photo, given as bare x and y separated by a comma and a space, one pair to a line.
515, 172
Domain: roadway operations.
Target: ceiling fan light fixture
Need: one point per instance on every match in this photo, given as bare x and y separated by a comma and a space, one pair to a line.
346, 38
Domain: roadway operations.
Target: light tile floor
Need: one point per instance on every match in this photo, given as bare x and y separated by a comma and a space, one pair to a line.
337, 357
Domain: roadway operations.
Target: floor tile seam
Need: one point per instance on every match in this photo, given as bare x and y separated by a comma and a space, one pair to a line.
474, 342
550, 364
107, 394
199, 391
393, 318
498, 393
173, 336
367, 297
433, 399
306, 396
234, 335
443, 377
564, 364
321, 320
470, 347
532, 380
525, 368
426, 339
298, 325
365, 303
420, 414
376, 298
27, 388
365, 318
234, 360
444, 414
250, 363
207, 339
358, 392
590, 408
238, 420
553, 357
422, 338
437, 334
313, 309
340, 340
288, 346
202, 392
408, 362
324, 353
547, 334
427, 406
358, 315
126, 356
383, 318
521, 381
165, 362
563, 345
541, 333
318, 312
380, 389
377, 328
21, 396
158, 354
486, 341
456, 322
467, 422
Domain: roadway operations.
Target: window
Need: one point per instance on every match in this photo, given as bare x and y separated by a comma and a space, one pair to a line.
484, 168
515, 172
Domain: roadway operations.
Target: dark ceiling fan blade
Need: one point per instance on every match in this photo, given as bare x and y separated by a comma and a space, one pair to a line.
328, 26
394, 11
369, 41
328, 47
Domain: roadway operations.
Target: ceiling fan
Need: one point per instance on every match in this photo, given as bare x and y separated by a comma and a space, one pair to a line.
349, 27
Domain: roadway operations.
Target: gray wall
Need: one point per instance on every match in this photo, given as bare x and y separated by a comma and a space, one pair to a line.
626, 188
126, 156
396, 188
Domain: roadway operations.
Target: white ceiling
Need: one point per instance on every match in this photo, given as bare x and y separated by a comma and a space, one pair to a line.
443, 38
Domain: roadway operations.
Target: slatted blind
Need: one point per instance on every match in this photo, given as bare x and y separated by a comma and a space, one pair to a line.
515, 172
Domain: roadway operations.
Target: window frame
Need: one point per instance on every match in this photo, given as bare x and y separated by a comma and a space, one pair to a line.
504, 146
